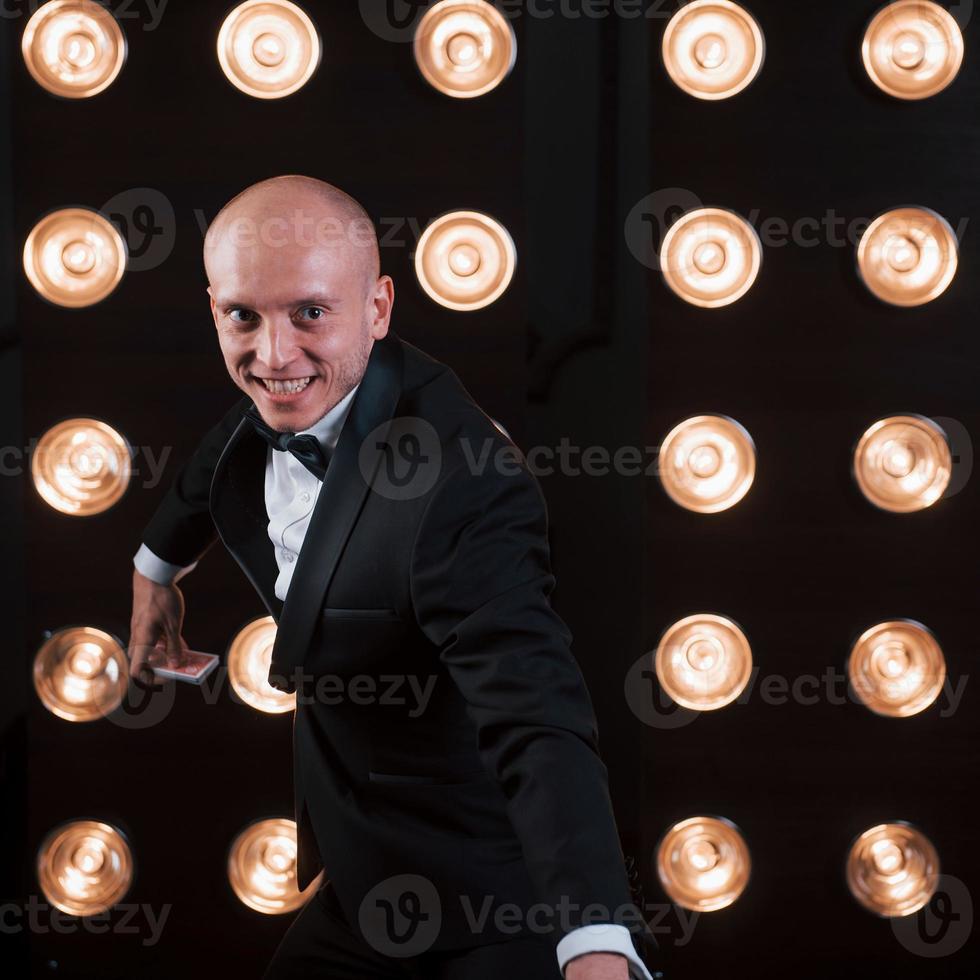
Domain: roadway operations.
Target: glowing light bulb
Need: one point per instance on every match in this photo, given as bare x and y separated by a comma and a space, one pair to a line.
908, 256
465, 260
464, 48
262, 868
74, 257
897, 668
712, 49
707, 463
703, 662
268, 48
81, 673
912, 49
893, 869
903, 463
710, 257
703, 863
84, 867
249, 660
73, 48
81, 467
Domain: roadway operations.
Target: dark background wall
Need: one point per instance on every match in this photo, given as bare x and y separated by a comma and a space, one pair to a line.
147, 361
806, 361
587, 345
172, 134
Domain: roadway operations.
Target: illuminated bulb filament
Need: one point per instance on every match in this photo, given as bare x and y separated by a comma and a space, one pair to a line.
711, 51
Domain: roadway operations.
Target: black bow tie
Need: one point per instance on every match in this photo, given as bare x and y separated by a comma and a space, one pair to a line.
305, 448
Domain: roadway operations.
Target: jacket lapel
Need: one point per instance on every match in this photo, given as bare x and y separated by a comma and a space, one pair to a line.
237, 504
345, 486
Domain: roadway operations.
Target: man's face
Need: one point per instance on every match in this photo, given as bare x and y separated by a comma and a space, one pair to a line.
296, 321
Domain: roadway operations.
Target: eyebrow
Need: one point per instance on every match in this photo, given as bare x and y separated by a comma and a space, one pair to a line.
232, 303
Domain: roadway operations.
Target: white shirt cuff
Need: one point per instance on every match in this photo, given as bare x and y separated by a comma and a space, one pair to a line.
157, 570
601, 939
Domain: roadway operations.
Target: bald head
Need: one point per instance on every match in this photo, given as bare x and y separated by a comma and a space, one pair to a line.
291, 212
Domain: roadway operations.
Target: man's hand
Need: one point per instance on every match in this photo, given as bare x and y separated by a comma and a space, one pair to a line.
155, 629
598, 966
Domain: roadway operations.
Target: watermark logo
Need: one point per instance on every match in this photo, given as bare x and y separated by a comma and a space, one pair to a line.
401, 916
943, 926
961, 450
146, 220
649, 219
649, 702
411, 458
392, 20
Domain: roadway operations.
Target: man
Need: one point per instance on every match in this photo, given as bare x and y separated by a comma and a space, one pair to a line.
347, 485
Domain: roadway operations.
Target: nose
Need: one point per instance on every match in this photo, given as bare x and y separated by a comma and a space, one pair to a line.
276, 344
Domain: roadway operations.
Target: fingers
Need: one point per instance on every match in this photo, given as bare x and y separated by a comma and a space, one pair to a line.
142, 658
158, 613
175, 647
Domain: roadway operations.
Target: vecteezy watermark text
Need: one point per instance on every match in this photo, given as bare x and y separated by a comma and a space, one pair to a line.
403, 916
654, 707
150, 12
15, 461
39, 917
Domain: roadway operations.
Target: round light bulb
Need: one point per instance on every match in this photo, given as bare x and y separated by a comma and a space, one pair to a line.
903, 463
262, 867
464, 48
81, 673
84, 867
897, 668
710, 257
81, 467
74, 257
465, 260
912, 49
268, 48
703, 863
893, 869
712, 49
707, 463
908, 256
73, 48
249, 660
703, 662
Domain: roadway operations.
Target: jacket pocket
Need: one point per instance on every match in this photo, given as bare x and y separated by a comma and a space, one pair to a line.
411, 779
334, 612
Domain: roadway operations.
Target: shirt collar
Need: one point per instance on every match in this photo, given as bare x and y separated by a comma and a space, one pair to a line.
327, 430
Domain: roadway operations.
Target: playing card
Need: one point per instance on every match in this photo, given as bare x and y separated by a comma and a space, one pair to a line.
195, 667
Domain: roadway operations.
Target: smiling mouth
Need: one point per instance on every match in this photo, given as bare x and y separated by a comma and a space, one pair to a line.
291, 386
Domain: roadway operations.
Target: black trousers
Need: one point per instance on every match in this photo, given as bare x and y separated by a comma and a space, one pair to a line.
320, 944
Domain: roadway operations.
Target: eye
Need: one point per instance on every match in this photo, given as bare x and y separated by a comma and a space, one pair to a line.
240, 315
312, 313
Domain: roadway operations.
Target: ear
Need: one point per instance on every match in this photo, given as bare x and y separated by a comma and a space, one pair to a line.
382, 301
214, 309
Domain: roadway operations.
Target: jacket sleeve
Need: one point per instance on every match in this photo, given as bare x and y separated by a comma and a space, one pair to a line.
480, 583
181, 530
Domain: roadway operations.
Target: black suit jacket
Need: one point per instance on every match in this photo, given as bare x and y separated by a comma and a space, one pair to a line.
497, 788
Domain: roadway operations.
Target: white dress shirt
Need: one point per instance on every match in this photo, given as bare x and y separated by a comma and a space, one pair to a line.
291, 491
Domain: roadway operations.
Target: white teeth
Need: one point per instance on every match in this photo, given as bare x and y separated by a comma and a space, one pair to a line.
286, 387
